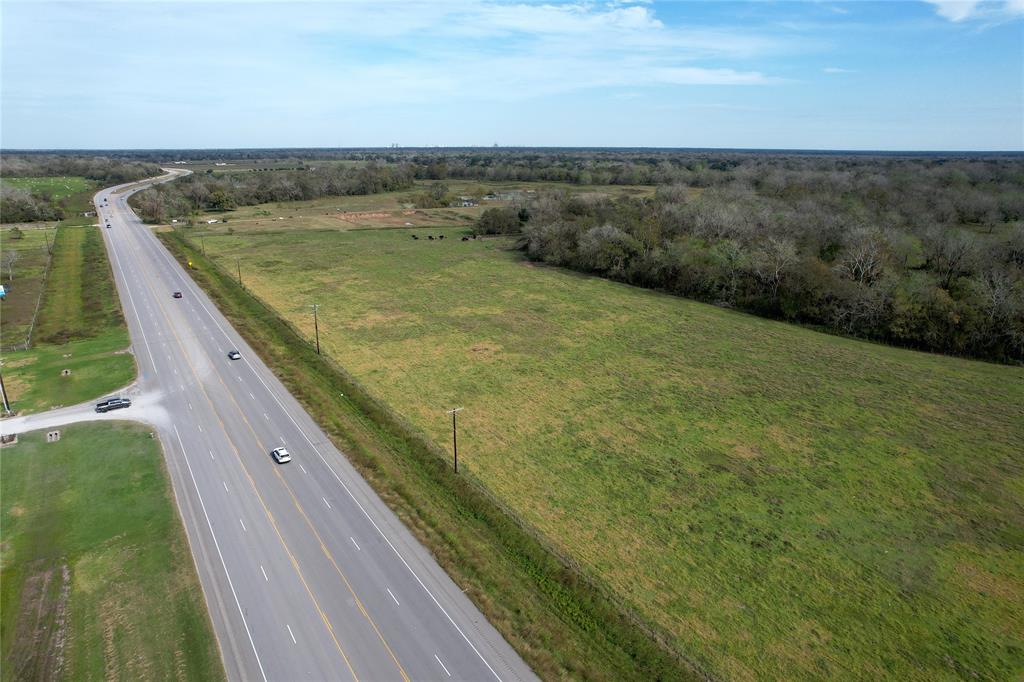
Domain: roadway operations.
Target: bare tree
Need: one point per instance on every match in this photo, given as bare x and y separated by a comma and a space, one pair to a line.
863, 256
772, 260
948, 253
9, 258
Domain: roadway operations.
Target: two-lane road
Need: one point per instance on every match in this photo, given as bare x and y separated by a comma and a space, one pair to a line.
308, 575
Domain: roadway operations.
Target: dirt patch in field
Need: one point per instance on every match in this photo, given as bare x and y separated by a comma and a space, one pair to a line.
483, 350
986, 582
16, 386
40, 632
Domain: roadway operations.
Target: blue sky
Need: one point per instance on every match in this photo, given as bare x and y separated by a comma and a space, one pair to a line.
940, 75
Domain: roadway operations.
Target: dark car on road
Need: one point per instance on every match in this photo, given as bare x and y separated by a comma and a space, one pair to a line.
177, 294
113, 404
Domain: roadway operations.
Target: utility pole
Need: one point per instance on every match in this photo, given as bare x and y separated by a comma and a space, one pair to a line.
316, 326
238, 265
3, 392
455, 439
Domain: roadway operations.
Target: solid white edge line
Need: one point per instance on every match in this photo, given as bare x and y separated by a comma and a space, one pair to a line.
131, 299
189, 283
220, 555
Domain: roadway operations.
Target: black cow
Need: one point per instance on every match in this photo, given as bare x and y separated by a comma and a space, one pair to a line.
430, 237
415, 237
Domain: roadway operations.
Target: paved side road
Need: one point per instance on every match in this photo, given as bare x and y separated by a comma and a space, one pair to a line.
145, 408
307, 574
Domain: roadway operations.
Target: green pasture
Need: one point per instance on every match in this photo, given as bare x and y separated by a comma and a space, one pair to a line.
390, 209
781, 502
56, 188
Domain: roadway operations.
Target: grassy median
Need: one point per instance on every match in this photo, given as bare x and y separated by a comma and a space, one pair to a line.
97, 580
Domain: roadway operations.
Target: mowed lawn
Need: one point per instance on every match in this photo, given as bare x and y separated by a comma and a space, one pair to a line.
784, 503
97, 581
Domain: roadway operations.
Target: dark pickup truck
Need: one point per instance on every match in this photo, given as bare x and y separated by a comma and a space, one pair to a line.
113, 404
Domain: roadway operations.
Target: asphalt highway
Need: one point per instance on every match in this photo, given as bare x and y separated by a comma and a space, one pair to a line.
307, 574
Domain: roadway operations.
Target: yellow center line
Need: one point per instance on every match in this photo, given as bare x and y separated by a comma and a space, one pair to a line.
252, 483
309, 523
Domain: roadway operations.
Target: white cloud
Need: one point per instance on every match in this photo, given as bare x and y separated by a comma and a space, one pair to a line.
963, 10
955, 10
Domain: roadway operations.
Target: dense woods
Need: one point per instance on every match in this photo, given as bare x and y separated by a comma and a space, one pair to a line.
22, 206
922, 253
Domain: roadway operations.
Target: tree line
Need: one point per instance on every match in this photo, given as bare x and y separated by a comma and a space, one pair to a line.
23, 206
103, 169
914, 253
223, 192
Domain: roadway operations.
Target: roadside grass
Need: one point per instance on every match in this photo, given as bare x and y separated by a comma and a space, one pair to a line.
97, 580
80, 328
560, 624
24, 289
780, 502
98, 365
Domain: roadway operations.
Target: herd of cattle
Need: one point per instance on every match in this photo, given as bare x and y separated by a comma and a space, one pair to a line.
441, 236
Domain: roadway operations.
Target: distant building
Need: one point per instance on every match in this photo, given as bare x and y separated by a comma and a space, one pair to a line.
504, 196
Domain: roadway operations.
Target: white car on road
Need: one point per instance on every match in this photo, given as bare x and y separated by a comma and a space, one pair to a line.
280, 455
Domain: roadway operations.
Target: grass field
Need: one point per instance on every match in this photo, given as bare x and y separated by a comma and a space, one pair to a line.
79, 327
23, 290
57, 188
387, 210
783, 503
97, 578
